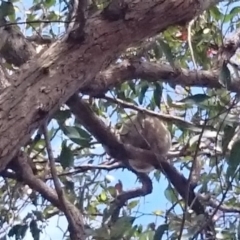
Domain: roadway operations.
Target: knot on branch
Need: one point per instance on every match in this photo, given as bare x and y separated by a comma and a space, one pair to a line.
116, 10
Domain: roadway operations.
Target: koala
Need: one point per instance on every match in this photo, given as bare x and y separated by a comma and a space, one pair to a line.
148, 133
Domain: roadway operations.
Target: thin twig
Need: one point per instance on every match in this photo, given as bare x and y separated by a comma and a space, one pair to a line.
63, 201
164, 117
52, 166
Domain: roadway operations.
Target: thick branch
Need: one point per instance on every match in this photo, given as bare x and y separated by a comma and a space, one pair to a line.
127, 70
50, 79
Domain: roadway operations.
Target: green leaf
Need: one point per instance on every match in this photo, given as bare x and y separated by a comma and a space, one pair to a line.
102, 233
76, 134
132, 86
132, 204
18, 230
103, 197
234, 11
71, 132
170, 194
234, 159
49, 3
83, 133
112, 191
142, 93
39, 215
157, 94
158, 51
158, 213
229, 132
66, 156
34, 229
31, 18
195, 99
215, 13
6, 9
122, 225
225, 76
147, 235
129, 233
167, 51
160, 231
157, 175
169, 100
238, 230
39, 144
35, 7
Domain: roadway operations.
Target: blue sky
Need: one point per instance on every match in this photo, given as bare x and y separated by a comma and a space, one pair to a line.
148, 204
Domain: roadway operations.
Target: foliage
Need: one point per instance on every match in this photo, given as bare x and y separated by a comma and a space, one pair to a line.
78, 154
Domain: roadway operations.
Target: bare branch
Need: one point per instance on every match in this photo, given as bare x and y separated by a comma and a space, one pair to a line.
69, 209
153, 72
208, 200
56, 181
165, 117
123, 197
87, 167
25, 173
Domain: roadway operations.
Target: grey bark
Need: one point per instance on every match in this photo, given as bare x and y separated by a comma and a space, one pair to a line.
55, 75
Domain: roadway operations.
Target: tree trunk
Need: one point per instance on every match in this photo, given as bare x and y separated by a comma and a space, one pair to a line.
53, 76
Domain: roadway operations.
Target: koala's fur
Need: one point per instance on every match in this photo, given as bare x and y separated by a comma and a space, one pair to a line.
146, 132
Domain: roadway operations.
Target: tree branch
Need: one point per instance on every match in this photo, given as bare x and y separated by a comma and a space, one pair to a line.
165, 117
122, 152
154, 72
76, 224
24, 173
51, 79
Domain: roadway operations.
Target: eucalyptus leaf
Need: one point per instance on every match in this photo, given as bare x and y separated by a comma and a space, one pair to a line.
122, 225
132, 204
66, 156
167, 51
225, 76
6, 9
160, 231
77, 135
234, 159
143, 91
157, 94
170, 194
195, 99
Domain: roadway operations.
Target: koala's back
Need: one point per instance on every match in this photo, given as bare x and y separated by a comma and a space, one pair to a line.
147, 133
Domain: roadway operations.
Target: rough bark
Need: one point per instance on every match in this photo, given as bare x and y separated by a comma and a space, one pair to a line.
153, 72
53, 76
